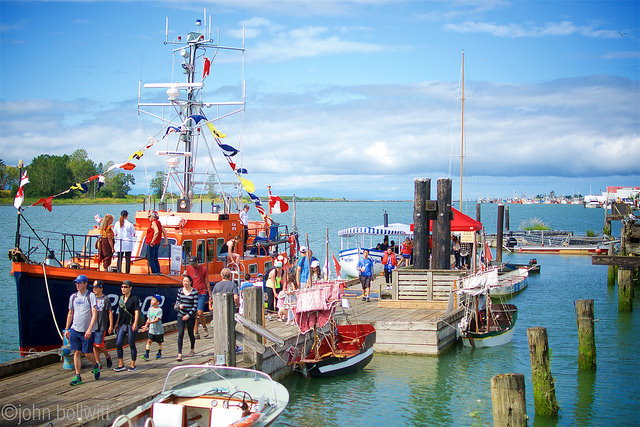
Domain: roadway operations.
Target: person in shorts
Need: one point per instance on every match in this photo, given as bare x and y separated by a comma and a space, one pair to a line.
154, 326
104, 323
81, 320
200, 276
365, 274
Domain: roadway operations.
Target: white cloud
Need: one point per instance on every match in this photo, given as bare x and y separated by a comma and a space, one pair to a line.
550, 29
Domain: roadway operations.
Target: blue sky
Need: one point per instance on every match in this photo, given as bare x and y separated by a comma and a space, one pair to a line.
345, 98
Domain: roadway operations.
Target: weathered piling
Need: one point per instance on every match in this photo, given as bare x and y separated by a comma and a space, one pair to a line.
499, 235
224, 329
253, 310
508, 400
612, 271
442, 227
506, 218
544, 392
421, 223
586, 335
625, 292
478, 212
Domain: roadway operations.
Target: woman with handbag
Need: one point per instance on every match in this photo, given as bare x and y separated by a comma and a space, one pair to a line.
127, 326
186, 307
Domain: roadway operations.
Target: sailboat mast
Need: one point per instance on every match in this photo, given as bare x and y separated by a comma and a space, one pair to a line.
188, 135
462, 133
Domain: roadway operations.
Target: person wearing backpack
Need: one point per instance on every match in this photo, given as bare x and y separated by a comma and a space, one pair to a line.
129, 316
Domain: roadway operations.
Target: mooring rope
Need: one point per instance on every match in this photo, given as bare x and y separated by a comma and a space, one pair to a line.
46, 283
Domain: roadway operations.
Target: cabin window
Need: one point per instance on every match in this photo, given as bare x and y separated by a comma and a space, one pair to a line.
253, 269
187, 251
222, 248
211, 250
163, 252
268, 265
200, 250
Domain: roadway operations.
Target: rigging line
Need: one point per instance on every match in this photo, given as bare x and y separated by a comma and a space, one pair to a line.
55, 321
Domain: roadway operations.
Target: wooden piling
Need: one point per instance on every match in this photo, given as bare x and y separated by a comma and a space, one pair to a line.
544, 392
478, 212
224, 329
625, 294
499, 237
421, 223
586, 335
253, 310
506, 218
442, 227
612, 271
508, 400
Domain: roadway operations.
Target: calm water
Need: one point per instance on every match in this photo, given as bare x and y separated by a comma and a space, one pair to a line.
453, 389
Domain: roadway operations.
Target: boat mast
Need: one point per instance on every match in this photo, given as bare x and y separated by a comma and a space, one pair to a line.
189, 110
462, 133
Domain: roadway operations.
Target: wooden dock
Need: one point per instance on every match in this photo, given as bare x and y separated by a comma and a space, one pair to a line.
42, 395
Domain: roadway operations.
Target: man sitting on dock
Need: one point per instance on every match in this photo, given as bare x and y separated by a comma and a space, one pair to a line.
81, 319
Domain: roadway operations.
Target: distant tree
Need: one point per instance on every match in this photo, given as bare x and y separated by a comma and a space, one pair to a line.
8, 176
157, 184
211, 187
49, 175
118, 185
82, 168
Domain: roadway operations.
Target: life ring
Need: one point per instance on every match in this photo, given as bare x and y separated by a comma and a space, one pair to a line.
292, 246
247, 421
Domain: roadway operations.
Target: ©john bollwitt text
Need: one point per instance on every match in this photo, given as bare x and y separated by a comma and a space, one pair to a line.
18, 414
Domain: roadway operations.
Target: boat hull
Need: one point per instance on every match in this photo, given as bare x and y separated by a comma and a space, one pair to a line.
37, 328
348, 259
510, 283
502, 333
355, 340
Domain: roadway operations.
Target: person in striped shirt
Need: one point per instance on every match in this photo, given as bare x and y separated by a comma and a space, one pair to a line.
186, 306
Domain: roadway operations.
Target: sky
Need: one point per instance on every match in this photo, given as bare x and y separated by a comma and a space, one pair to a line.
350, 99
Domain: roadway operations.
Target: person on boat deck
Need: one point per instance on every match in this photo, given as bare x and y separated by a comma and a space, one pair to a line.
104, 323
465, 255
303, 267
226, 285
106, 242
200, 276
127, 326
244, 219
405, 250
81, 320
152, 239
232, 246
393, 246
186, 307
389, 262
385, 243
365, 274
125, 237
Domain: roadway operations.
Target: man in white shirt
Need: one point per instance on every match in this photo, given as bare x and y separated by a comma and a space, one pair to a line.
244, 219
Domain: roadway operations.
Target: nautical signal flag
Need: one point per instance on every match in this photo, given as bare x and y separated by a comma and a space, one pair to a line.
207, 67
276, 204
24, 180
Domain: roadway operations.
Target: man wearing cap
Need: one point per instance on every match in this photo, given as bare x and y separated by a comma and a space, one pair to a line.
81, 320
365, 274
227, 285
125, 236
200, 276
302, 267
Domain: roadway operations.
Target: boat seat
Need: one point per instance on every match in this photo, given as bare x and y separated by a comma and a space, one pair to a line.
168, 415
224, 416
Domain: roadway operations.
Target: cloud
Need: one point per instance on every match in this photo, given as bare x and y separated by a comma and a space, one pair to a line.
550, 29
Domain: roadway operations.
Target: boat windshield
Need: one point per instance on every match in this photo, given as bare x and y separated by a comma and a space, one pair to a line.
199, 380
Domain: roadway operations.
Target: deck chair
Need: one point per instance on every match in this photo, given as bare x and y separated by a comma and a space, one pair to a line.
169, 415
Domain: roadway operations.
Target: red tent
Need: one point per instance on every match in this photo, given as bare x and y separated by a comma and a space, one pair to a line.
460, 222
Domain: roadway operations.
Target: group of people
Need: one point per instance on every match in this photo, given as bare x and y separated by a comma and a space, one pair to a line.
91, 318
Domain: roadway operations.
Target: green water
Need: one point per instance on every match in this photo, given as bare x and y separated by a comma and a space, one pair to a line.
453, 389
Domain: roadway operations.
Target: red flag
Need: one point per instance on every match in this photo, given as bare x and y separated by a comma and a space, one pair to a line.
487, 253
207, 65
46, 203
17, 202
337, 265
276, 204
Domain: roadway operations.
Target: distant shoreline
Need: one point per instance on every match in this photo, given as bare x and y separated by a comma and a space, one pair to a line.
139, 200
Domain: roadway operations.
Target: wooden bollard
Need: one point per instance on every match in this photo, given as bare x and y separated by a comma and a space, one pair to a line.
586, 335
253, 310
544, 392
625, 295
421, 223
499, 236
224, 329
612, 271
508, 400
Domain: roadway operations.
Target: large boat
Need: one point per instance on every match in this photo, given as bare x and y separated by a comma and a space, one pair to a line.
485, 324
45, 263
337, 349
207, 395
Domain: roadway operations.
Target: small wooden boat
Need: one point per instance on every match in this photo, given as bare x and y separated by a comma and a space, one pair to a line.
510, 283
484, 323
336, 349
211, 396
532, 267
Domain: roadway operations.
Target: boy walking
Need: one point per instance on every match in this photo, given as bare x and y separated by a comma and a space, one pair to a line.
79, 328
154, 325
104, 324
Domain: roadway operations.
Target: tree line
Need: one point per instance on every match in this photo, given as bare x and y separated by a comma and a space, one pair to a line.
50, 174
